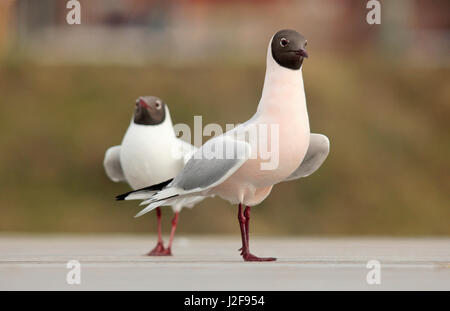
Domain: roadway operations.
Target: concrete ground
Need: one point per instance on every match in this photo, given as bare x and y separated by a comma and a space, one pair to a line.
116, 262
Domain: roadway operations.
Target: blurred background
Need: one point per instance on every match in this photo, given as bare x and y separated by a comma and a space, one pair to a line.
381, 93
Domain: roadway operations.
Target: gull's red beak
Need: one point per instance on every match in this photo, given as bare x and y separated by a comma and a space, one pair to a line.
143, 103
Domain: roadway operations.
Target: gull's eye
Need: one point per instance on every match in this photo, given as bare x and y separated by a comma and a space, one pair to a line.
284, 42
158, 105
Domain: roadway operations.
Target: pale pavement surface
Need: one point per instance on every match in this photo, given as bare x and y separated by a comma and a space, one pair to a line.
116, 262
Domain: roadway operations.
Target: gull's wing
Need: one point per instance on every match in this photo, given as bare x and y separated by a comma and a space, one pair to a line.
211, 165
319, 147
112, 164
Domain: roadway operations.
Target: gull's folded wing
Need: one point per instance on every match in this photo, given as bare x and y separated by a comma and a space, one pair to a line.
112, 164
211, 165
319, 147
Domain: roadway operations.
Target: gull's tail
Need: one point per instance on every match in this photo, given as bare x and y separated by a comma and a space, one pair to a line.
167, 196
143, 193
162, 194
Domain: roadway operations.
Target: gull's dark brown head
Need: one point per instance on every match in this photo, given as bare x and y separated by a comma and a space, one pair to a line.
149, 110
289, 49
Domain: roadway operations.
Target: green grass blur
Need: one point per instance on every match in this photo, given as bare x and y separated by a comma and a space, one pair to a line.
387, 173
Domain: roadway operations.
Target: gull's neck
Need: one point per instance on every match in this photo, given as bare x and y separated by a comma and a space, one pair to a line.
283, 88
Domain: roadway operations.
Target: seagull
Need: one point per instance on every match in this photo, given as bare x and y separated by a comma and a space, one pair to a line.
151, 153
232, 167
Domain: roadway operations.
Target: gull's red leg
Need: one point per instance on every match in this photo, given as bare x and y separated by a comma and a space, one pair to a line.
241, 219
247, 221
168, 250
159, 248
244, 222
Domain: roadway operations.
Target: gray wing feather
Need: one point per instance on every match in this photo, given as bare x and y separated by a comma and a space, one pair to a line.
204, 171
319, 147
112, 165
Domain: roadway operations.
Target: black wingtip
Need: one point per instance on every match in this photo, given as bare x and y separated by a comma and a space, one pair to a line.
122, 196
159, 186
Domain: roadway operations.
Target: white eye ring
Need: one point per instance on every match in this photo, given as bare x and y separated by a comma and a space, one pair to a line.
158, 105
284, 42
